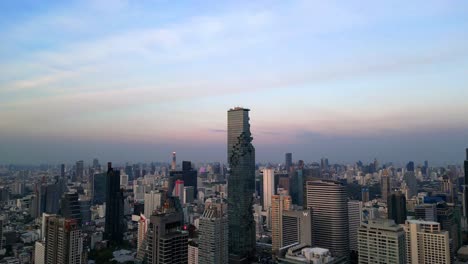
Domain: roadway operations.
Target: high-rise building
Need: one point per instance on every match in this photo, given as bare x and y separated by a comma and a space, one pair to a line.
241, 186
153, 201
396, 207
142, 229
2, 222
411, 183
288, 161
268, 187
426, 243
385, 184
96, 164
114, 225
187, 174
213, 236
99, 188
365, 194
179, 190
189, 193
328, 201
279, 203
192, 253
62, 171
173, 163
39, 252
64, 241
381, 241
79, 172
354, 221
167, 241
296, 227
426, 212
465, 193
70, 207
410, 166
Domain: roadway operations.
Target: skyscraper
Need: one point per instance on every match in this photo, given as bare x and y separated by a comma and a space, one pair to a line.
70, 207
354, 221
328, 202
179, 190
288, 161
365, 194
64, 241
241, 186
279, 203
79, 173
173, 163
381, 241
167, 241
187, 174
465, 207
213, 236
99, 188
426, 212
268, 187
411, 183
426, 243
153, 201
114, 226
396, 207
62, 170
385, 184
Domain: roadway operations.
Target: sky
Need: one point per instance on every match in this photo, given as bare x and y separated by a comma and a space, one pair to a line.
135, 80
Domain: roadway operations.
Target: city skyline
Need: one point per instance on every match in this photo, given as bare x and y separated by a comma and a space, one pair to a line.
349, 81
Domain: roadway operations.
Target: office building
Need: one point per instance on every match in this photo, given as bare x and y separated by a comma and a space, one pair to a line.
96, 164
426, 212
2, 223
385, 184
142, 229
396, 207
62, 171
241, 186
114, 225
99, 188
288, 161
153, 201
354, 221
189, 193
213, 236
465, 201
167, 241
64, 241
328, 201
296, 227
381, 241
268, 187
70, 207
426, 243
279, 203
411, 183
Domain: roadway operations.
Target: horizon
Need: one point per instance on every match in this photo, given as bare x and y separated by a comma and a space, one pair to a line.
134, 81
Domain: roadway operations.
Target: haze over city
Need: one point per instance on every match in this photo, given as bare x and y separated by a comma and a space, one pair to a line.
134, 81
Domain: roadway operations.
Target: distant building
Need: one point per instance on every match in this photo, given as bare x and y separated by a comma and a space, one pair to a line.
79, 172
114, 225
296, 227
396, 207
365, 194
70, 207
426, 212
288, 161
153, 201
328, 202
381, 241
426, 243
99, 188
187, 174
268, 187
385, 184
39, 253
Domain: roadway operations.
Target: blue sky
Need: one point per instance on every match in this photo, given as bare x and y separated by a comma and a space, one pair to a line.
135, 80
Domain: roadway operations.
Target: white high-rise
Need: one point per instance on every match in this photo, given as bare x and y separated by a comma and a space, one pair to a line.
268, 187
426, 243
192, 254
381, 241
39, 253
153, 201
